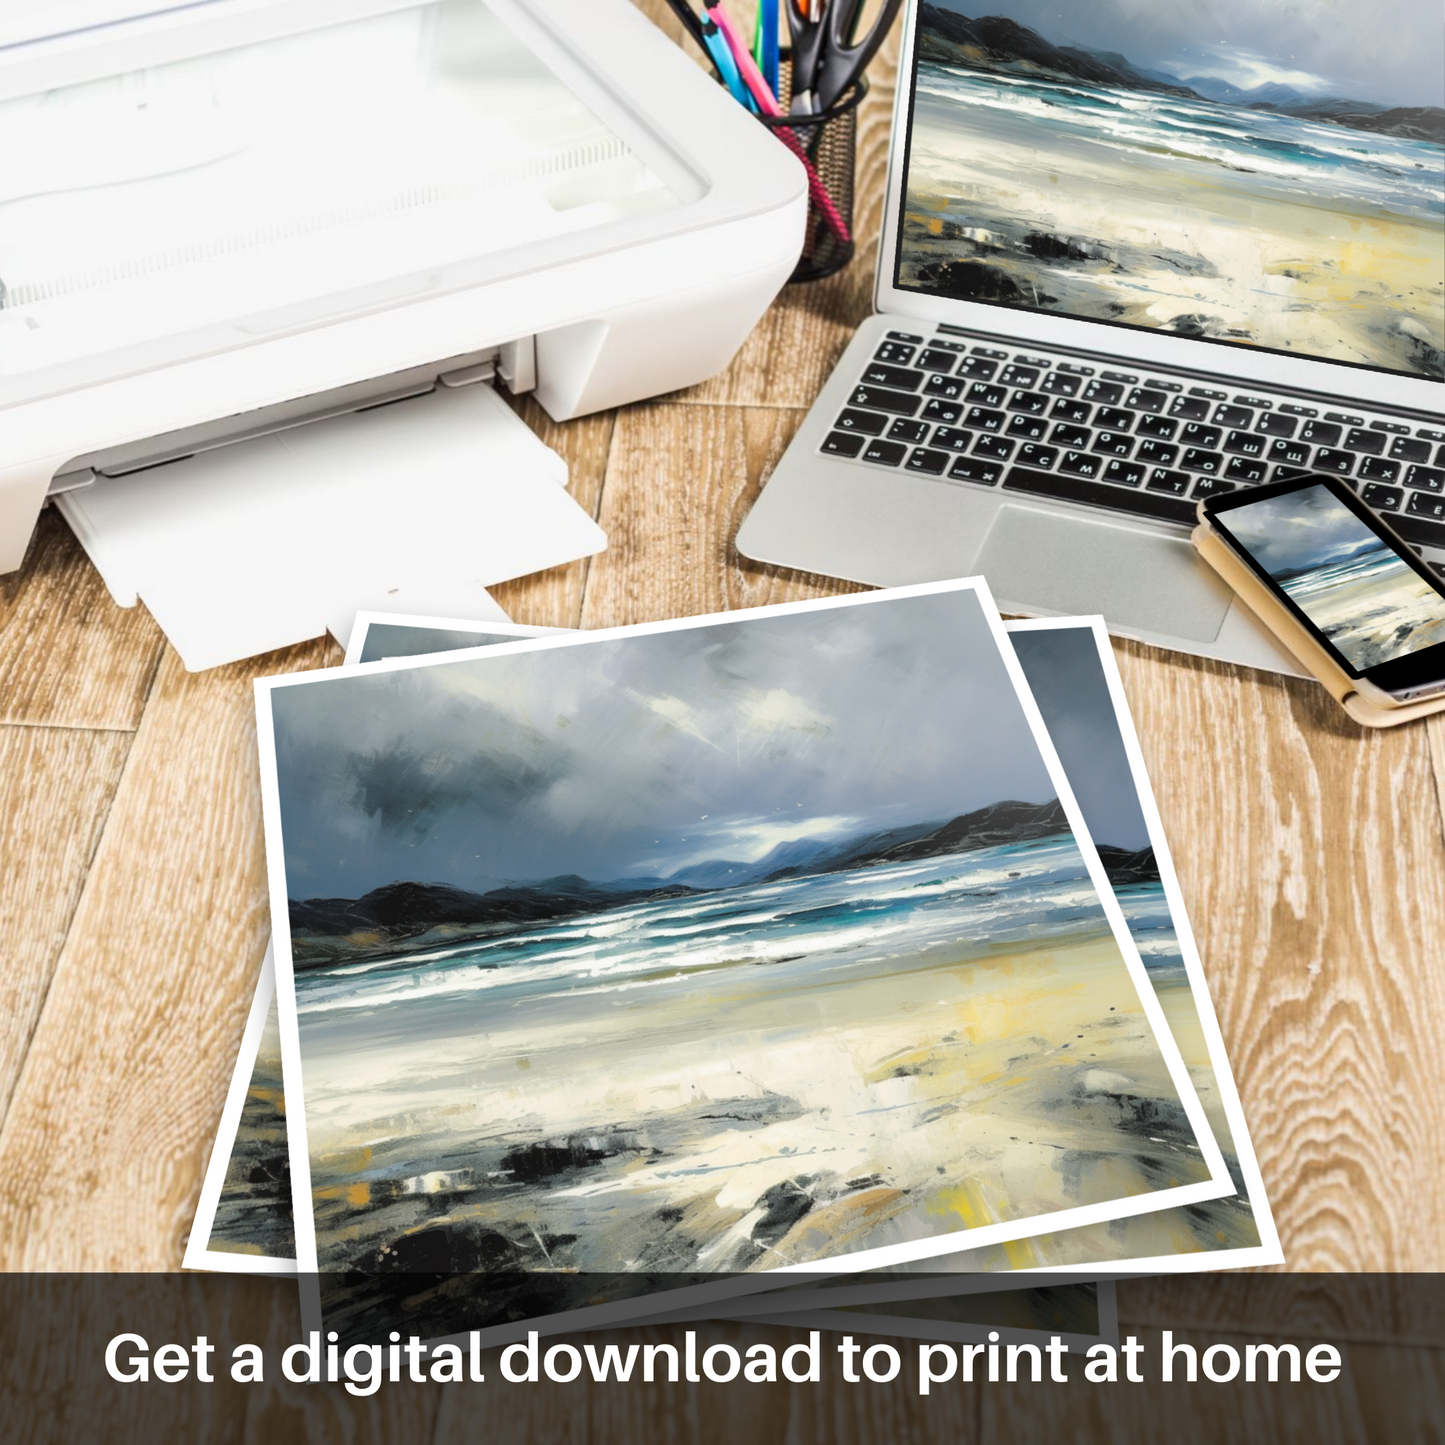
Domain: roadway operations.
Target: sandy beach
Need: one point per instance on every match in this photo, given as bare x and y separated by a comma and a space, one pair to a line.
1177, 231
912, 1099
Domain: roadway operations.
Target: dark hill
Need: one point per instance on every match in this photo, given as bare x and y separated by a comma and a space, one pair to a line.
1124, 867
990, 827
995, 40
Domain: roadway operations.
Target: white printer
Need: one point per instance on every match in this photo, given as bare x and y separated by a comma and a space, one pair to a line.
223, 220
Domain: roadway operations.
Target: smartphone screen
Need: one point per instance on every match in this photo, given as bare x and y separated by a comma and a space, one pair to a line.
1355, 586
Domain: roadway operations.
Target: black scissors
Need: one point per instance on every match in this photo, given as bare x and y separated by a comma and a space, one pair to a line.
827, 55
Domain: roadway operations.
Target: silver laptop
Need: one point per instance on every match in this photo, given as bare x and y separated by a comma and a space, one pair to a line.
1132, 256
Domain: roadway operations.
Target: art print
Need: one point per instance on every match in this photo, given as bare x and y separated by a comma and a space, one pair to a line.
703, 1046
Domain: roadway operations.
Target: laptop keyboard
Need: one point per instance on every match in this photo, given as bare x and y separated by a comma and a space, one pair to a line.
1141, 444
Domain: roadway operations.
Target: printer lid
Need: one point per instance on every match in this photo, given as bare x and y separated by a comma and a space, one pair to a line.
181, 178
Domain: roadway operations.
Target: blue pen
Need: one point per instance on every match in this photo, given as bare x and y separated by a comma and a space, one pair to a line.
768, 60
727, 67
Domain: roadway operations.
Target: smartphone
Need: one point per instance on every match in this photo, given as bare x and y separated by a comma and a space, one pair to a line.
1339, 570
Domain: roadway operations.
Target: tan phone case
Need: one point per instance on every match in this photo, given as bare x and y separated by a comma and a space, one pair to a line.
1314, 658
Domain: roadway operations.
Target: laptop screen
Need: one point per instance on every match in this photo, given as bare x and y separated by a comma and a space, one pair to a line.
1256, 172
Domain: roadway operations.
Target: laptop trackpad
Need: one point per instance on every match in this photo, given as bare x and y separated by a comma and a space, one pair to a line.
1040, 559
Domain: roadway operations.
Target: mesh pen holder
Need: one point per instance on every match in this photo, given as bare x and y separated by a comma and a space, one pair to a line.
827, 142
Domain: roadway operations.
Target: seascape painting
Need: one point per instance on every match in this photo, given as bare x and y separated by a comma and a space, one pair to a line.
1066, 676
253, 1211
1372, 606
1257, 171
702, 951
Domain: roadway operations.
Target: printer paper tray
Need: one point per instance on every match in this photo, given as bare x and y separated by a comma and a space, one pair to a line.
416, 506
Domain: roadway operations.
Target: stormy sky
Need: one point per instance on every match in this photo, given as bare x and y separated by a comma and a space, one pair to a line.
1302, 529
1391, 52
639, 756
1067, 680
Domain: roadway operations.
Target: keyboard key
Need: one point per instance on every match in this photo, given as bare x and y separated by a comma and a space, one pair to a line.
878, 398
1440, 457
937, 410
1242, 469
1030, 427
1245, 444
1019, 376
1163, 480
1189, 408
1212, 486
971, 469
1235, 416
957, 347
1143, 399
1113, 444
1418, 530
955, 439
1156, 454
995, 447
1403, 449
1377, 469
867, 422
1158, 385
1113, 418
935, 360
1424, 504
1199, 460
1124, 474
1321, 433
895, 353
977, 368
926, 460
1289, 474
1127, 377
1195, 435
1035, 403
1382, 499
1372, 443
1156, 426
905, 336
1081, 464
984, 419
1330, 459
1344, 418
1036, 456
1293, 410
948, 387
1060, 383
1101, 494
1075, 411
1426, 479
1071, 436
985, 395
988, 351
843, 444
1272, 424
904, 430
1292, 454
1430, 434
1107, 392
886, 454
876, 374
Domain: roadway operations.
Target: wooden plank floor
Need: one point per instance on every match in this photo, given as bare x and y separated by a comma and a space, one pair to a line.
133, 908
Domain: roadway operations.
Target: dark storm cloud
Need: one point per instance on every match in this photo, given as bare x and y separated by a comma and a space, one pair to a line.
638, 756
1067, 680
1300, 530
